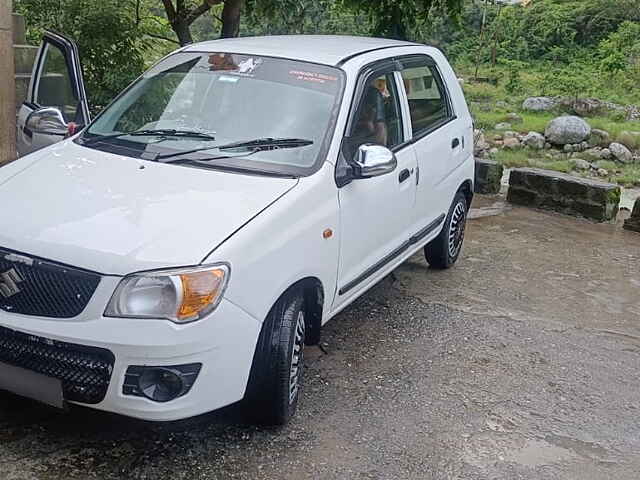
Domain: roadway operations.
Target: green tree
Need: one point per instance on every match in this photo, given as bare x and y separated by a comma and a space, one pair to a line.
401, 18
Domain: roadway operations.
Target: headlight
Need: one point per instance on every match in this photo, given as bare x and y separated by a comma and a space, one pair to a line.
181, 295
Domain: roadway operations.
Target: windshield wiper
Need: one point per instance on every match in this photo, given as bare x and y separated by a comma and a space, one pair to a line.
253, 146
163, 132
199, 163
269, 142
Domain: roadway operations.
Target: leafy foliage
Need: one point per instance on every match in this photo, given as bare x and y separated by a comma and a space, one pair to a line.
108, 36
401, 19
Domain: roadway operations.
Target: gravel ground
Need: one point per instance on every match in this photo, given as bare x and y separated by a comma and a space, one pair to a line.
522, 362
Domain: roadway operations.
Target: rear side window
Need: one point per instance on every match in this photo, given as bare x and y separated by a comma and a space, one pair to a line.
429, 105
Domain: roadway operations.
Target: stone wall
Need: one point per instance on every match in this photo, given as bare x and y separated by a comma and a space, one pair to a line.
633, 222
488, 176
24, 57
564, 193
7, 85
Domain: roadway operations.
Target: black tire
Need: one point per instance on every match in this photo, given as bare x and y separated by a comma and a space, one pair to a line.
443, 251
278, 363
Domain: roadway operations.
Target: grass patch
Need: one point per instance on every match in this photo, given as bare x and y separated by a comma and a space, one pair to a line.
530, 158
531, 122
627, 176
608, 165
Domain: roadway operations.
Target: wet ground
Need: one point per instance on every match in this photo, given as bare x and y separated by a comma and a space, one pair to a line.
521, 362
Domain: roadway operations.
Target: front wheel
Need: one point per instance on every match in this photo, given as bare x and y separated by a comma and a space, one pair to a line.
443, 251
278, 363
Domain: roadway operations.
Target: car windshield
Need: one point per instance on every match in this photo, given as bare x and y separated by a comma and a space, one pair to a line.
278, 113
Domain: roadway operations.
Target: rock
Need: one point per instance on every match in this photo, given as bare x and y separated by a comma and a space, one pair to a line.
514, 118
588, 106
502, 104
534, 140
633, 113
480, 143
564, 193
631, 140
567, 129
584, 146
602, 172
633, 222
493, 151
503, 126
539, 104
497, 137
511, 143
568, 148
581, 164
599, 138
510, 134
605, 154
547, 146
488, 177
621, 153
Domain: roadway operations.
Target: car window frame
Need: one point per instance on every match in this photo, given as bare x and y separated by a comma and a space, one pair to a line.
418, 60
375, 68
51, 40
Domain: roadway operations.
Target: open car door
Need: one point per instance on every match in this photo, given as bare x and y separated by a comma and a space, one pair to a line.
56, 96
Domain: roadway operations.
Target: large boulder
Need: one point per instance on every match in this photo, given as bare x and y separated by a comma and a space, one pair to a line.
534, 140
621, 153
567, 130
539, 104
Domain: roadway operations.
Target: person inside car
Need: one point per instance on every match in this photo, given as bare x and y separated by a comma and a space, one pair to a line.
371, 126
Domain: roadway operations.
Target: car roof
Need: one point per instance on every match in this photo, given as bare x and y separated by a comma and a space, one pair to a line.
325, 49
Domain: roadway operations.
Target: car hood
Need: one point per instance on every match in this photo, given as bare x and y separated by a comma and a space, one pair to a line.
117, 215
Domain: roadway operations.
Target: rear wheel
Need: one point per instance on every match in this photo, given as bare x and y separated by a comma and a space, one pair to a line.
278, 363
443, 251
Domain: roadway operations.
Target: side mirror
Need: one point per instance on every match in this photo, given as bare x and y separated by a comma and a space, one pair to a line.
373, 161
47, 121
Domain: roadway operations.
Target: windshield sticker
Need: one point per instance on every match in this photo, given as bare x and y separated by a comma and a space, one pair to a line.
313, 76
249, 65
231, 64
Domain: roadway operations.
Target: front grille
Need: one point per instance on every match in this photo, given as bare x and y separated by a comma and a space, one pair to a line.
32, 286
85, 372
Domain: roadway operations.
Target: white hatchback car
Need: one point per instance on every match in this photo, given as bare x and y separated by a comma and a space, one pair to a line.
176, 254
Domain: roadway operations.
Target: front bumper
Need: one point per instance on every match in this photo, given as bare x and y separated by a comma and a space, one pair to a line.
223, 343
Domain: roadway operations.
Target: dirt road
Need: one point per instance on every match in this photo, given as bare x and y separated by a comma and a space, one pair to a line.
522, 362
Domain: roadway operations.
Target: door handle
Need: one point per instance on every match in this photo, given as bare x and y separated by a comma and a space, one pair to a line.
455, 143
404, 174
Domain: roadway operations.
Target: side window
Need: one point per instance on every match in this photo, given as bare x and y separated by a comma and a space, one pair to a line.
428, 103
377, 117
55, 88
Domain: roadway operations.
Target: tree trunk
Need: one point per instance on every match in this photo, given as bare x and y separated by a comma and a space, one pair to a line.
181, 27
231, 18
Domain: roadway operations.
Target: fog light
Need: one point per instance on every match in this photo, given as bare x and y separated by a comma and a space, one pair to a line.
160, 384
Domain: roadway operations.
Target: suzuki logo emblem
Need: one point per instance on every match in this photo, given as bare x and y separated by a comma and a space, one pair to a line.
9, 283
